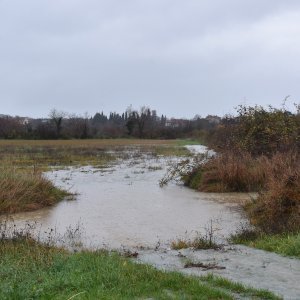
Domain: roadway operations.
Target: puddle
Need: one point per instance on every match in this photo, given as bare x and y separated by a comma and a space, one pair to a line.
123, 206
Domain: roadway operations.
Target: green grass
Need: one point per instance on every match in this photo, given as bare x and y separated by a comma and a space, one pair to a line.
284, 244
31, 271
237, 288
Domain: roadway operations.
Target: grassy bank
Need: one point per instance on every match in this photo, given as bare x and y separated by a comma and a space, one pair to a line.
29, 270
284, 244
26, 190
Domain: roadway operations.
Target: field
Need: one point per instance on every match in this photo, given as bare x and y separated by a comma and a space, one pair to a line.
30, 270
45, 153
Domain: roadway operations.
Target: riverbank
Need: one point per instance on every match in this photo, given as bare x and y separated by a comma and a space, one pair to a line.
285, 244
30, 270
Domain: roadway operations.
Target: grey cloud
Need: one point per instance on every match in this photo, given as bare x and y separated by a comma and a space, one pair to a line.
180, 57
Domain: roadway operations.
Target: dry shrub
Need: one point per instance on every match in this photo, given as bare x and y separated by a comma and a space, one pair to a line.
276, 178
25, 191
228, 172
277, 208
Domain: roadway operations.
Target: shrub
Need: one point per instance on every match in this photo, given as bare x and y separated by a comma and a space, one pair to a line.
258, 131
227, 172
277, 208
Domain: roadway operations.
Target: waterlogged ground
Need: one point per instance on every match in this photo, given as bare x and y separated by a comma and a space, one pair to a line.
123, 205
252, 267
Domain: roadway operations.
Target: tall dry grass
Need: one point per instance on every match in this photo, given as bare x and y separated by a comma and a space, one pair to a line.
26, 190
276, 178
277, 208
228, 172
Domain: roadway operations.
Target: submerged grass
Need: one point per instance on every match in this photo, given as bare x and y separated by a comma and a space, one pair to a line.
196, 243
29, 270
201, 241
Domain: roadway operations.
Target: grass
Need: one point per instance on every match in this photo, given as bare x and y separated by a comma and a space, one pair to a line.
196, 243
29, 270
228, 172
45, 153
238, 288
284, 244
275, 178
200, 241
277, 207
26, 190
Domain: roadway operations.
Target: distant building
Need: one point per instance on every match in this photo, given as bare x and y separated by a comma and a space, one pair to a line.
175, 123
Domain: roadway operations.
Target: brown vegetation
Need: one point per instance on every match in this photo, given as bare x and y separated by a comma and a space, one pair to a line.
258, 151
25, 191
277, 208
228, 172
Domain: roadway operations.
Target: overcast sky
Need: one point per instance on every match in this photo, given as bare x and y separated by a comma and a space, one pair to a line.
179, 57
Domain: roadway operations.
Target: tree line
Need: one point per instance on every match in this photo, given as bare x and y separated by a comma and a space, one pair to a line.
138, 123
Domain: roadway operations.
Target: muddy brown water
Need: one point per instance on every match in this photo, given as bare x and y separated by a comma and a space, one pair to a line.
123, 205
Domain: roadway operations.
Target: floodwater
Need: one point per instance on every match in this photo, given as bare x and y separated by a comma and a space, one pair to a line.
252, 267
123, 205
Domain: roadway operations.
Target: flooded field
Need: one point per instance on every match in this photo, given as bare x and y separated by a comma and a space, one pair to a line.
123, 206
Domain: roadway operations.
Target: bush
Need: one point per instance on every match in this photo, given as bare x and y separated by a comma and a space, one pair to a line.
277, 208
228, 172
258, 131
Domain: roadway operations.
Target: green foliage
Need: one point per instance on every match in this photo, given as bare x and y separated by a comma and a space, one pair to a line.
259, 130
